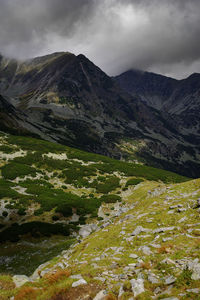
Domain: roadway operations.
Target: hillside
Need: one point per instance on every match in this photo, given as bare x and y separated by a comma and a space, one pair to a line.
67, 99
134, 229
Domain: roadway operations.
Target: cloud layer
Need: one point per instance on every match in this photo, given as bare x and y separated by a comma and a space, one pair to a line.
156, 35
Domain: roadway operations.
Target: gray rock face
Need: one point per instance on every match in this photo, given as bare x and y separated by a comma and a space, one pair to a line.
195, 291
101, 295
20, 280
194, 266
137, 286
138, 230
79, 282
152, 278
87, 230
163, 229
133, 256
145, 249
170, 280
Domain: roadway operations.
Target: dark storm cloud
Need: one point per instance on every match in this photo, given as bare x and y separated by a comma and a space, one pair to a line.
158, 35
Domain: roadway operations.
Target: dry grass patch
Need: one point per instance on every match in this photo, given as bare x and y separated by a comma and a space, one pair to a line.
26, 293
165, 249
86, 292
59, 275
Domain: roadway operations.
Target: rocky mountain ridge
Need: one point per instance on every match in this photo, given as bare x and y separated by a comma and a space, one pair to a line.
67, 99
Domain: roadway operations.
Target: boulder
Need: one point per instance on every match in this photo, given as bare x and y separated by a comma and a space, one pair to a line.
101, 295
20, 280
137, 286
79, 282
138, 230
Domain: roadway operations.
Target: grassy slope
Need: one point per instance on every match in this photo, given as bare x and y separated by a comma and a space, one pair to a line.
148, 205
42, 180
152, 202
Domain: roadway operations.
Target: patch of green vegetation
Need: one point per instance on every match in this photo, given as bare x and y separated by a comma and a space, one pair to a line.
184, 279
76, 173
134, 181
6, 191
13, 170
7, 149
110, 198
33, 251
32, 144
36, 229
109, 184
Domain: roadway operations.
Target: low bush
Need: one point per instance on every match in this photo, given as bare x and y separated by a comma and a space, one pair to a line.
36, 229
13, 170
110, 198
133, 181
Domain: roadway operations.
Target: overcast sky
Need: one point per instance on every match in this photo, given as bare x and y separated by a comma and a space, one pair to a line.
157, 35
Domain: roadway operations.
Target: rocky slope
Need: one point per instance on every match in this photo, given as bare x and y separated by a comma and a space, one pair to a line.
67, 99
148, 248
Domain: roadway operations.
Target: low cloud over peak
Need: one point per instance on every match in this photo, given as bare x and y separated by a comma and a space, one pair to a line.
161, 36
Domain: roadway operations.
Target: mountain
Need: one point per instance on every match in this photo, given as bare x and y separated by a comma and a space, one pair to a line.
67, 99
153, 89
90, 225
179, 98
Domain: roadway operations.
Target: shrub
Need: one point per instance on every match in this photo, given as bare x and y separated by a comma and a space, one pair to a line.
21, 211
133, 181
110, 198
109, 185
13, 232
13, 170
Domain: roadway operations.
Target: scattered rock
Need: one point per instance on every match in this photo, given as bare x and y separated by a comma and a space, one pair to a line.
166, 239
137, 286
133, 256
179, 210
182, 219
194, 266
170, 280
195, 291
152, 278
121, 291
163, 229
87, 229
145, 249
138, 230
101, 295
79, 282
157, 290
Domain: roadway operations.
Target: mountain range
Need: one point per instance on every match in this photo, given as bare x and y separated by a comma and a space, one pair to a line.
137, 116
